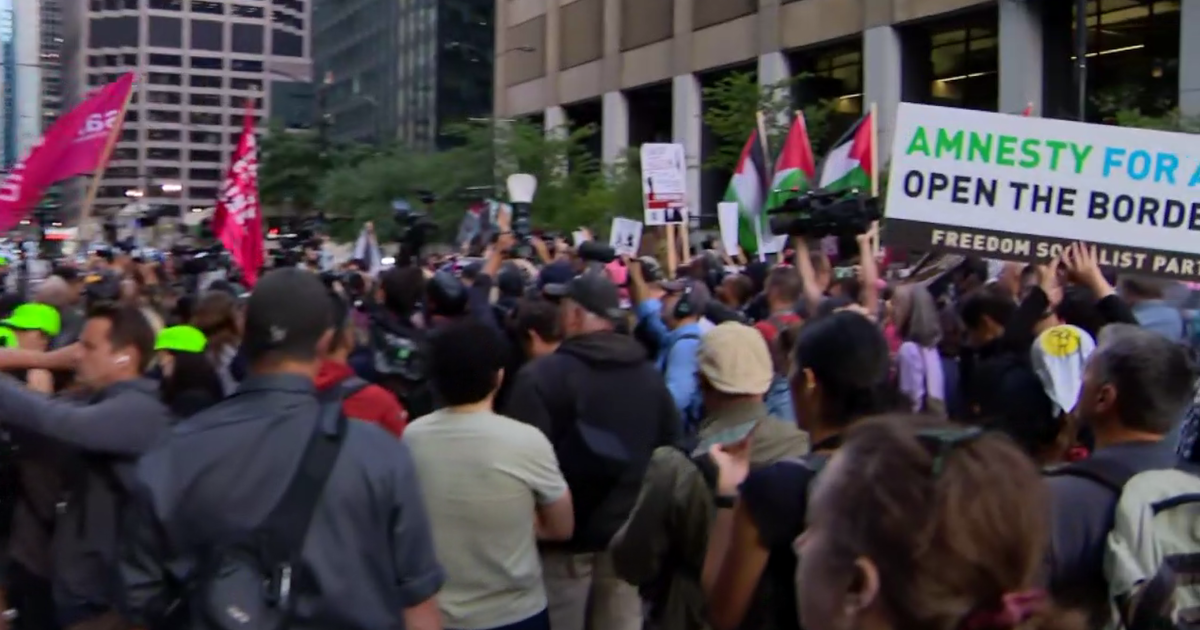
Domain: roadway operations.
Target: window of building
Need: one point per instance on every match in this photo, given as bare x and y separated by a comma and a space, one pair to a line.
204, 81
164, 116
246, 65
202, 192
170, 61
247, 39
129, 135
208, 6
208, 35
247, 11
204, 137
285, 44
165, 32
831, 73
965, 63
164, 135
159, 153
162, 78
131, 116
129, 59
166, 5
163, 173
125, 153
164, 98
196, 118
253, 85
1133, 57
205, 100
121, 172
207, 63
131, 4
203, 155
205, 174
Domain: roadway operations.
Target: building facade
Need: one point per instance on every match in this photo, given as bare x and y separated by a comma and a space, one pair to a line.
403, 69
202, 62
639, 67
20, 79
51, 60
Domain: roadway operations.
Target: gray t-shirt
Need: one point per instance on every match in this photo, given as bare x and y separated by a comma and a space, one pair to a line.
483, 476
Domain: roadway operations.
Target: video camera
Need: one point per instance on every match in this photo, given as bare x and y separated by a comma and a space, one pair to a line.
821, 213
415, 227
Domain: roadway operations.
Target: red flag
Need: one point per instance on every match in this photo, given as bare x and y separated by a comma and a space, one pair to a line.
74, 145
237, 220
1028, 111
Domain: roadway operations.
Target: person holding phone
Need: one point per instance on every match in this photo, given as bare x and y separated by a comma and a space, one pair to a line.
662, 544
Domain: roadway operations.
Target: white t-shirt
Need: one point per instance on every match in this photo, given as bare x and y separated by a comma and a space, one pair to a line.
482, 476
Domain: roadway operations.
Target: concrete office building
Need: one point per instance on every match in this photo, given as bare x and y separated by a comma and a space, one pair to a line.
51, 60
201, 62
403, 69
638, 67
20, 79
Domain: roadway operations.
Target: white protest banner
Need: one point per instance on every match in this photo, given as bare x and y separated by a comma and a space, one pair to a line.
626, 236
727, 220
664, 183
1018, 188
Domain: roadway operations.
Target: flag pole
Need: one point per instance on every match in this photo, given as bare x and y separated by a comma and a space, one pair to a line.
875, 168
764, 186
110, 144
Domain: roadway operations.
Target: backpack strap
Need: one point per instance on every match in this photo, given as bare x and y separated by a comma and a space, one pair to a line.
352, 385
1110, 474
287, 524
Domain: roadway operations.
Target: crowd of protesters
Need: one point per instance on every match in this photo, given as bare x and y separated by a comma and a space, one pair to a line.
569, 444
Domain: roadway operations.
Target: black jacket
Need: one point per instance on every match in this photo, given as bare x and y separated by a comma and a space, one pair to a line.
607, 377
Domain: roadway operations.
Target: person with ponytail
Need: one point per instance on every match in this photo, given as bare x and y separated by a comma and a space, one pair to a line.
918, 524
839, 374
190, 383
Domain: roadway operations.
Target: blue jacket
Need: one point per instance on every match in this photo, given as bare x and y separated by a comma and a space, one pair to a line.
676, 358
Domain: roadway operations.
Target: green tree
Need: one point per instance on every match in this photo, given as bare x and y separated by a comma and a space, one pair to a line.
732, 106
574, 189
291, 165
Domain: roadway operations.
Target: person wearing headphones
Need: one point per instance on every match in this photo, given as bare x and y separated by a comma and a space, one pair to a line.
189, 382
673, 321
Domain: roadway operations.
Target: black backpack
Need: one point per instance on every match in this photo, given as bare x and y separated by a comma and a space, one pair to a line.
250, 581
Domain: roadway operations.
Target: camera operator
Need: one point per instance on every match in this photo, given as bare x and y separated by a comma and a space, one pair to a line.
396, 356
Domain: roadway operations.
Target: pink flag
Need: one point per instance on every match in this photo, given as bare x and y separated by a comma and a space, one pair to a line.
237, 221
1028, 111
74, 145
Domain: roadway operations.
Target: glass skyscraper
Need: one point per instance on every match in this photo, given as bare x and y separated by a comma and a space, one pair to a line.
403, 69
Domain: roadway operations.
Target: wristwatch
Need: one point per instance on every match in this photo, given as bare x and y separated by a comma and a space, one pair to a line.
725, 501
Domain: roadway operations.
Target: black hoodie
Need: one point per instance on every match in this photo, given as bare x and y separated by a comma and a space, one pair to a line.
605, 379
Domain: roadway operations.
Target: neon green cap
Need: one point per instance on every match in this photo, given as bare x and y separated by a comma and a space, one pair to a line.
8, 338
181, 339
40, 317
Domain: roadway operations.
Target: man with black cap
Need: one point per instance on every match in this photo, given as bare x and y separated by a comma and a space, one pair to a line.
331, 509
605, 409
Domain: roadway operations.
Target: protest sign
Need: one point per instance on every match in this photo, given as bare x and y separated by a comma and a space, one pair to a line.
1018, 188
626, 236
664, 183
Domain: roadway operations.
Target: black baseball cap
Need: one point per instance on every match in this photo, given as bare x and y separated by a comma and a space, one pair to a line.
593, 290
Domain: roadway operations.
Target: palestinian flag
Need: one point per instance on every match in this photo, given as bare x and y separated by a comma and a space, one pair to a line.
795, 170
849, 164
747, 188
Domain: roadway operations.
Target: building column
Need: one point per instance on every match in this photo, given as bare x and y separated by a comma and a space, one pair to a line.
614, 127
686, 129
1189, 58
883, 65
774, 69
554, 120
1021, 55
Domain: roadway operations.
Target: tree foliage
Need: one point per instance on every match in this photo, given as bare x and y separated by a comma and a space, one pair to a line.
291, 165
574, 188
732, 106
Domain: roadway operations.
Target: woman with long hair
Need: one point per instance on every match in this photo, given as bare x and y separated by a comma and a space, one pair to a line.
919, 524
918, 362
189, 384
218, 315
